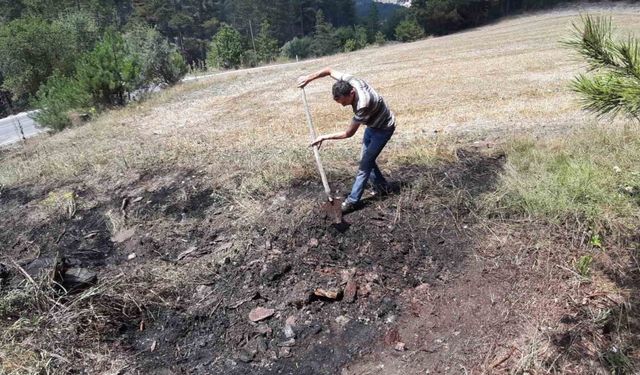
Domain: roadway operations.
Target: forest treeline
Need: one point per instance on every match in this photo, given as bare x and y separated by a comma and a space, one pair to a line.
68, 56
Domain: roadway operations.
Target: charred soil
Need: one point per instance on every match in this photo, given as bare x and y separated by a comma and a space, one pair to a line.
414, 281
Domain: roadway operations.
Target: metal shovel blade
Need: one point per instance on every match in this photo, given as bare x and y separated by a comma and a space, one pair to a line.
333, 209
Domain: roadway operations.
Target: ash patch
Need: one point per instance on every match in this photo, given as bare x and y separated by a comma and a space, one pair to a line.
83, 240
177, 202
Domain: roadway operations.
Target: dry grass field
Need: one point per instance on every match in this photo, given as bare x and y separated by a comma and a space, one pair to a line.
199, 204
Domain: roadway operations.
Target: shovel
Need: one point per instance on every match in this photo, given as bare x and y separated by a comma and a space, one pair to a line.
332, 208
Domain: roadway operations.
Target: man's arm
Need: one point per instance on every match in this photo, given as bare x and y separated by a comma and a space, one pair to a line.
304, 80
347, 133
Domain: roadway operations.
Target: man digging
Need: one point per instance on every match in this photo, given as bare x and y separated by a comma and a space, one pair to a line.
369, 109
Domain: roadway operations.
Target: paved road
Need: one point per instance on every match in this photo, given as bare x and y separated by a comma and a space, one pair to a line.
10, 128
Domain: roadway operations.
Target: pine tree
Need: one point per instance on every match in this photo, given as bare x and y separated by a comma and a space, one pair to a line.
266, 44
409, 30
613, 85
373, 22
324, 40
226, 50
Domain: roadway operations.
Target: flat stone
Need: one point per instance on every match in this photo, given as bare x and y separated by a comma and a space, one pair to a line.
272, 272
245, 356
79, 277
299, 295
350, 291
288, 343
123, 235
288, 332
329, 294
260, 313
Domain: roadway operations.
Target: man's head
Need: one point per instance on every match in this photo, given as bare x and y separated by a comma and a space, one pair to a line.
343, 93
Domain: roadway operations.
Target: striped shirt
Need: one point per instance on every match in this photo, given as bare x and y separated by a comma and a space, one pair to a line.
369, 108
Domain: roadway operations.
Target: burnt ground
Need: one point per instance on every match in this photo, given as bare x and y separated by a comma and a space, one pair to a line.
421, 282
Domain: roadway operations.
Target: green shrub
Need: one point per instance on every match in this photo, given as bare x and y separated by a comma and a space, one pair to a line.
110, 72
297, 47
225, 50
349, 45
409, 31
249, 58
56, 98
160, 61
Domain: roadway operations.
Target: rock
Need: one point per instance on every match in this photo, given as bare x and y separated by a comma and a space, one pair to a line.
291, 321
274, 271
299, 295
313, 242
123, 235
75, 278
350, 291
328, 294
245, 356
260, 313
347, 274
400, 346
288, 343
288, 332
284, 352
311, 329
392, 337
263, 329
131, 256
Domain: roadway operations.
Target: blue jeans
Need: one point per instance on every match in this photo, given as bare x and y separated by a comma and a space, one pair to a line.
372, 144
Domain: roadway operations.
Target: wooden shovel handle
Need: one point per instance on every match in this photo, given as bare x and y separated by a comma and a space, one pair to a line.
316, 152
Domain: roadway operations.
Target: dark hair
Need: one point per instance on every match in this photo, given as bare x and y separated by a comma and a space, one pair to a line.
341, 88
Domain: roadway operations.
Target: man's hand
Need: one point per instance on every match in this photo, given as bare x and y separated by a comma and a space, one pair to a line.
303, 81
317, 142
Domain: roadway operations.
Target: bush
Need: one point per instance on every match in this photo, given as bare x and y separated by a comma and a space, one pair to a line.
249, 58
297, 47
349, 45
160, 61
409, 31
225, 50
56, 98
174, 69
110, 72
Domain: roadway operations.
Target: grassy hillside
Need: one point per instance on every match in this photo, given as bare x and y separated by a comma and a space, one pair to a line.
508, 248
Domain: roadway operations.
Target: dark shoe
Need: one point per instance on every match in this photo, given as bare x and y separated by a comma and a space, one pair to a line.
347, 207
